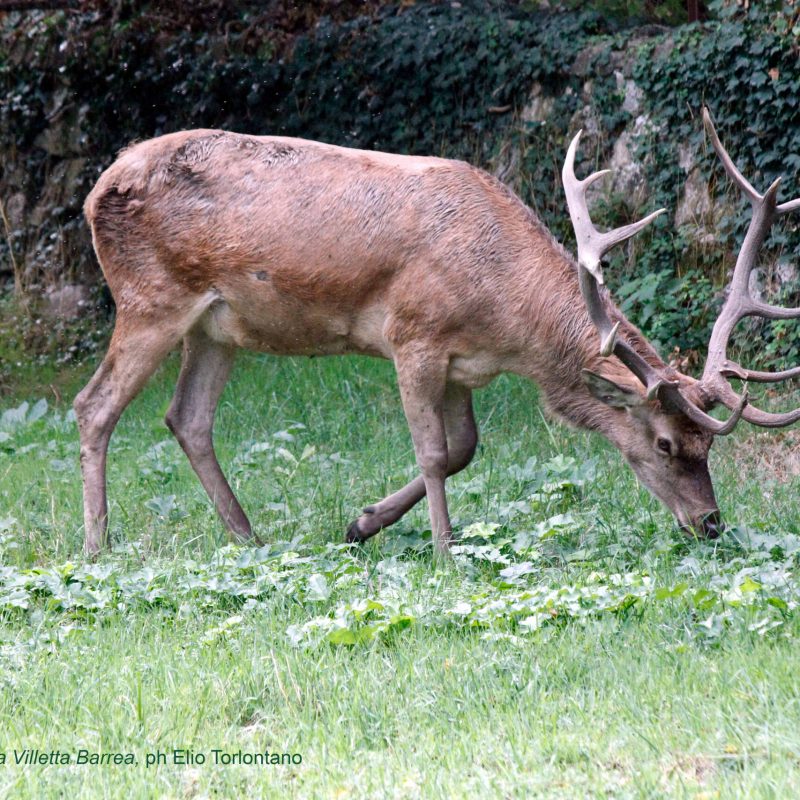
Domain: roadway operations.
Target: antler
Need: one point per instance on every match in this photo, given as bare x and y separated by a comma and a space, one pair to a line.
740, 304
661, 382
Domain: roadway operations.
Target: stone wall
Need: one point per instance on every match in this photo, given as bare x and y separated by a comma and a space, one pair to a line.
45, 176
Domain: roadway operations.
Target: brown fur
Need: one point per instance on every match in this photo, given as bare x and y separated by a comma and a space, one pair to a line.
295, 247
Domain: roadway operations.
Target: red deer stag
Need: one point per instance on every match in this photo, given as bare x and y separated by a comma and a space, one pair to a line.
222, 240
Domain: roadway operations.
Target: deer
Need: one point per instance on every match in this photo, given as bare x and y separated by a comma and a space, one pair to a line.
216, 241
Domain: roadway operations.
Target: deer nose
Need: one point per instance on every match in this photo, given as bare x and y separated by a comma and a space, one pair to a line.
707, 526
712, 525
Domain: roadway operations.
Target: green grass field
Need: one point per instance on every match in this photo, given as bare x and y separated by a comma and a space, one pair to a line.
575, 646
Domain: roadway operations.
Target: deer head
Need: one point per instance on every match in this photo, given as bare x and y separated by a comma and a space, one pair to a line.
666, 432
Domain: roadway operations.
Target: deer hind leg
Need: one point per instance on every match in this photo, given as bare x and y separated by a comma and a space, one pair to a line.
462, 440
204, 372
133, 355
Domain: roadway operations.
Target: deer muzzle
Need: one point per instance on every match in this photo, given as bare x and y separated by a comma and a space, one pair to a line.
706, 526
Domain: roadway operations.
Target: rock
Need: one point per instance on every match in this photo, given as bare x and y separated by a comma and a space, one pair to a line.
757, 284
601, 58
695, 208
663, 49
627, 174
633, 94
65, 134
62, 190
785, 273
686, 159
586, 119
539, 106
15, 210
67, 302
535, 112
506, 167
593, 60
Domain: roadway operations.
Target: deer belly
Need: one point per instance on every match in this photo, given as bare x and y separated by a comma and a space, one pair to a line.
474, 370
295, 329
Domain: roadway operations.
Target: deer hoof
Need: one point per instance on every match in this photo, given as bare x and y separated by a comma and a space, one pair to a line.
354, 535
246, 539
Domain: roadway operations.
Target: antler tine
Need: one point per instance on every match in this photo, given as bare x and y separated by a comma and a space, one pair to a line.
592, 244
727, 161
672, 395
756, 416
575, 190
612, 238
787, 208
733, 370
774, 312
740, 304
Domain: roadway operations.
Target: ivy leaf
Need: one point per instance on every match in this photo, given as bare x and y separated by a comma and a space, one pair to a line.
318, 588
342, 636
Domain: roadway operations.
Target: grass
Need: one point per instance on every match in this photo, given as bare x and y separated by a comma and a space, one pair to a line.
575, 646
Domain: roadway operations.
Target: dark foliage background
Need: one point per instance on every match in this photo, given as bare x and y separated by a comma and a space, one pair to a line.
447, 78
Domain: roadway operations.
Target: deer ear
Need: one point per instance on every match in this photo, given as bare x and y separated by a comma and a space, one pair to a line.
610, 393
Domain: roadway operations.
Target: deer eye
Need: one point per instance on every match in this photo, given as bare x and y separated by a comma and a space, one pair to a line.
664, 445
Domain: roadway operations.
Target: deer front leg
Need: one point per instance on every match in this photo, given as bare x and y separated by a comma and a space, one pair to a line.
421, 377
462, 440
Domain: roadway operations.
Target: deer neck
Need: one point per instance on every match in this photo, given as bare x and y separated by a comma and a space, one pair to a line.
560, 342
